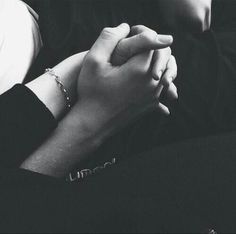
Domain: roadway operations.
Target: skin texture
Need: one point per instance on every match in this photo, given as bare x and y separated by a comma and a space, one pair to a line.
121, 94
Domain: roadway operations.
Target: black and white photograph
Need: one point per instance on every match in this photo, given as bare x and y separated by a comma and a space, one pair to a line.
118, 116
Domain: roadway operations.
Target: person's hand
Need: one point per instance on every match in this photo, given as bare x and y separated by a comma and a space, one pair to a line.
164, 65
141, 39
116, 92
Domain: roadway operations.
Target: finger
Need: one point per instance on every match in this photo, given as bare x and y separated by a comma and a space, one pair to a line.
139, 64
167, 40
159, 90
160, 61
167, 79
163, 109
107, 42
170, 72
147, 40
137, 29
156, 106
171, 92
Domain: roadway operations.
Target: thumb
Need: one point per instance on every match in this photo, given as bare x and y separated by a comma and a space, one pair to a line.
145, 40
107, 42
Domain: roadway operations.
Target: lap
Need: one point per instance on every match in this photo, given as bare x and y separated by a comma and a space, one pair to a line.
169, 189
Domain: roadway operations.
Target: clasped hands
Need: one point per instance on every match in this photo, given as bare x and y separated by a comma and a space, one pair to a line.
121, 77
124, 76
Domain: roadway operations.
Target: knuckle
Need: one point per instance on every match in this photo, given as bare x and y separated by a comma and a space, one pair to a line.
107, 33
137, 29
168, 51
153, 74
173, 64
107, 30
150, 36
140, 26
156, 74
93, 60
167, 81
173, 59
175, 74
174, 77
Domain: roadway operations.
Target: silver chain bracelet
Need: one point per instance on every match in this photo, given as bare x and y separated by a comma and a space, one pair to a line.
52, 73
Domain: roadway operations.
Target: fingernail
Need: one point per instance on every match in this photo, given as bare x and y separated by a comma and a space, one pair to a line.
165, 39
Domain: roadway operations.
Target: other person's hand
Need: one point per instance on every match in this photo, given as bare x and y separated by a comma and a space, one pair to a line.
164, 64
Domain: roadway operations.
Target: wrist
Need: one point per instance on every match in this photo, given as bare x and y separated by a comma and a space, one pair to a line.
92, 121
48, 92
68, 71
98, 121
47, 89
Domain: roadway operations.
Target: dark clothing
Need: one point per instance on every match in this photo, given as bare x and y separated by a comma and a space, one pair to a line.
170, 189
185, 187
24, 122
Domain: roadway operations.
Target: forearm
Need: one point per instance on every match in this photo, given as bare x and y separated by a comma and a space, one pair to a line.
78, 135
24, 122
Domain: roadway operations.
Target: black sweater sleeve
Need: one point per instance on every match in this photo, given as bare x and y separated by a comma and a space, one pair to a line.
24, 123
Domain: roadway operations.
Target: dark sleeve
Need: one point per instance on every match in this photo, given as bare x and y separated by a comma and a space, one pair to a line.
24, 123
